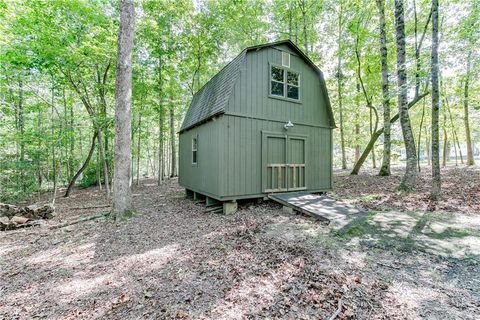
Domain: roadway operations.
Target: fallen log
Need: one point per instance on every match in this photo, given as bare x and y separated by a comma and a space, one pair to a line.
84, 219
90, 207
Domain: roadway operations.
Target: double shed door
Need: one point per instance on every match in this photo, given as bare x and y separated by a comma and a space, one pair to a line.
283, 162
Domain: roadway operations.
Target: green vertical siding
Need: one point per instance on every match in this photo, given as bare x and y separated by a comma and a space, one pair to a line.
205, 175
242, 164
250, 96
230, 163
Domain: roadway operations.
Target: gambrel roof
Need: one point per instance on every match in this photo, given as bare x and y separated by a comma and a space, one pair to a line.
212, 98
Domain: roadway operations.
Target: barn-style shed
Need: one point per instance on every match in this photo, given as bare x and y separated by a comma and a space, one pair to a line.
263, 124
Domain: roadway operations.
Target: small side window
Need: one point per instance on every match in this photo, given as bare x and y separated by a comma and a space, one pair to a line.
194, 150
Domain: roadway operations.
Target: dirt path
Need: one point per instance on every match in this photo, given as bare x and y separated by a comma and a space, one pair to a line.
172, 261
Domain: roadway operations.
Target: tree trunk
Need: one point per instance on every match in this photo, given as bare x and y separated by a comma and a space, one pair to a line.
138, 146
427, 147
122, 199
83, 167
436, 180
377, 134
420, 136
98, 167
339, 87
466, 121
385, 169
445, 142
409, 178
304, 19
103, 160
21, 129
368, 101
161, 154
455, 141
54, 160
374, 162
160, 124
357, 125
173, 163
290, 31
458, 148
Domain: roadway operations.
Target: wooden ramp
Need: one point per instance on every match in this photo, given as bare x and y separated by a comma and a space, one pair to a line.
320, 207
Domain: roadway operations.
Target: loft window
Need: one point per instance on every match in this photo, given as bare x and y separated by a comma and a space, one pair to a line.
284, 83
194, 150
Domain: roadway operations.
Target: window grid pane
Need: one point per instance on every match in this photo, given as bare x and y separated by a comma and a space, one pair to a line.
277, 88
292, 78
277, 74
292, 92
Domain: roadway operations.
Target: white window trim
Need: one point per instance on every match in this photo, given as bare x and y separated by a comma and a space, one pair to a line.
285, 84
195, 149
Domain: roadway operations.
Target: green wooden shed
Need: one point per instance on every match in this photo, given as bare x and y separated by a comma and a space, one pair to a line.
263, 124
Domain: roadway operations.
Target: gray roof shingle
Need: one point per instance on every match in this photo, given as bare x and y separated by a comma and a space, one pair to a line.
213, 97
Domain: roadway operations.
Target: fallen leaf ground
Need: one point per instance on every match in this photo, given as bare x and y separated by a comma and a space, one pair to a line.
172, 261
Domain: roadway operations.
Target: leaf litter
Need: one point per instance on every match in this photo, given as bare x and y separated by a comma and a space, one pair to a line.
172, 261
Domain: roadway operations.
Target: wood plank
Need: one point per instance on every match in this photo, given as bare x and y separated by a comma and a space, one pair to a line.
320, 207
294, 168
280, 185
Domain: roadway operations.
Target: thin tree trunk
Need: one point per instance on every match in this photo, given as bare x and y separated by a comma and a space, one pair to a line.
374, 162
138, 146
339, 87
161, 154
420, 136
357, 124
418, 46
304, 19
377, 134
385, 169
83, 167
160, 123
373, 110
290, 30
21, 128
458, 147
296, 31
122, 200
466, 121
454, 131
410, 176
54, 160
436, 180
173, 163
427, 147
103, 160
445, 141
98, 167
